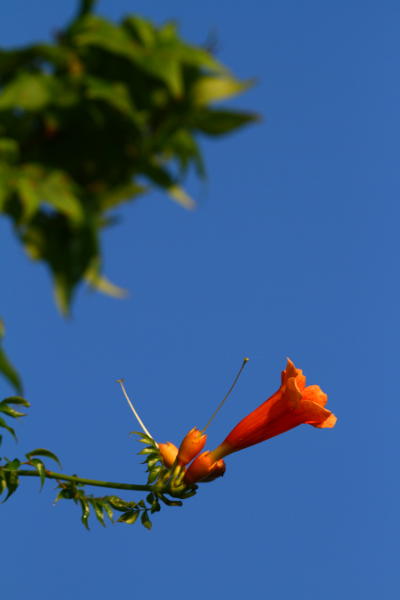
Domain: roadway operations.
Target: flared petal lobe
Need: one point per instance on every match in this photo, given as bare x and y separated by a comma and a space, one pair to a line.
292, 405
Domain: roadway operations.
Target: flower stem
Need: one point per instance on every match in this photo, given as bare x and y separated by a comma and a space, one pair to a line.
95, 482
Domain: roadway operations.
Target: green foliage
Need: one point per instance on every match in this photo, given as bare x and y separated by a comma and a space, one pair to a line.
92, 121
7, 409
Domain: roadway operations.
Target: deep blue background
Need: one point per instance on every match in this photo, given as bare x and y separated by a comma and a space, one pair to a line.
292, 252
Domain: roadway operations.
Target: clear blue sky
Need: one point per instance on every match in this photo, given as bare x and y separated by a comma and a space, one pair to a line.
291, 252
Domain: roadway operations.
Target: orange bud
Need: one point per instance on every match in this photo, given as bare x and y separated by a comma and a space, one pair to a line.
204, 468
168, 453
191, 445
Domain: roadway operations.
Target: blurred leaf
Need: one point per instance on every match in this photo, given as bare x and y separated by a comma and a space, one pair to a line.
27, 91
17, 400
8, 428
119, 194
115, 94
181, 197
100, 283
141, 30
8, 371
56, 189
9, 150
213, 89
217, 122
11, 412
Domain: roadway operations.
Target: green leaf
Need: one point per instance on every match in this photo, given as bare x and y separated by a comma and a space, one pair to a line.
181, 197
13, 465
147, 451
12, 482
8, 428
119, 194
27, 91
212, 89
116, 95
153, 461
129, 517
100, 283
9, 149
43, 452
141, 30
146, 520
108, 510
28, 191
169, 502
153, 475
11, 412
120, 504
95, 31
98, 510
85, 512
17, 400
39, 466
57, 190
8, 371
217, 122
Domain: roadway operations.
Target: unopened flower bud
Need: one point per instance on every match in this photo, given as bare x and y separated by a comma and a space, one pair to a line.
217, 470
204, 468
191, 445
168, 453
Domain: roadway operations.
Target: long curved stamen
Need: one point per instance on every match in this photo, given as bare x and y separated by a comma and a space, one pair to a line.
220, 405
142, 425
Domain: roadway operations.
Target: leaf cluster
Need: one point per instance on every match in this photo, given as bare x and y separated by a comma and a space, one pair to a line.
94, 119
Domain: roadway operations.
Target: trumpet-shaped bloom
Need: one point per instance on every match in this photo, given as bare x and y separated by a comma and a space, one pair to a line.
292, 405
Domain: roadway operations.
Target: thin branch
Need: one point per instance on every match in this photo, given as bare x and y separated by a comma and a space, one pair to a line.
76, 479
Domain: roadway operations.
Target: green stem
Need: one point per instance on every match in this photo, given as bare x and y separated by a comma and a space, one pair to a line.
75, 479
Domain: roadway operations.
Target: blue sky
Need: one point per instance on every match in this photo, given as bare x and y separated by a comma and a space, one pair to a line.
292, 251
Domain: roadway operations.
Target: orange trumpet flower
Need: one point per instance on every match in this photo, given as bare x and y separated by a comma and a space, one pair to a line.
292, 405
